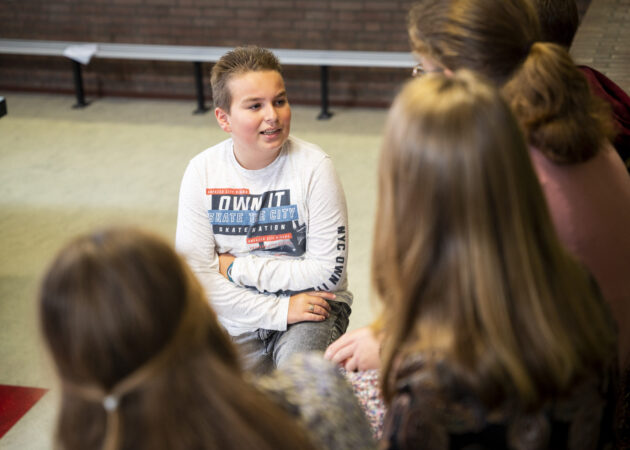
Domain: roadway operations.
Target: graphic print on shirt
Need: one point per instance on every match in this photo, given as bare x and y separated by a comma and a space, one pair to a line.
268, 221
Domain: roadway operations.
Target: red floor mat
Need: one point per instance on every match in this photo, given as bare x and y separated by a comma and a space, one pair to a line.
15, 401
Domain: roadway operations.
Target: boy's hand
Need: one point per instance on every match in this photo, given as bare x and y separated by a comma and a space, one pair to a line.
357, 350
309, 306
225, 259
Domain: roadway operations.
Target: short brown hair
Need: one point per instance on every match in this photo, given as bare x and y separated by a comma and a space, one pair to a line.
235, 62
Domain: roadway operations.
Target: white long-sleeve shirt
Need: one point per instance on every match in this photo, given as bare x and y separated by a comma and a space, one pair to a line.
286, 224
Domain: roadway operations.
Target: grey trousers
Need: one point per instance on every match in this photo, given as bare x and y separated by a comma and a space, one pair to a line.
263, 350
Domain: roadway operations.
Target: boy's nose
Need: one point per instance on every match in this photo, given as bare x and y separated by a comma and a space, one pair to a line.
271, 115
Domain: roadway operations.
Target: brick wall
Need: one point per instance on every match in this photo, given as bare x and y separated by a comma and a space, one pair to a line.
308, 24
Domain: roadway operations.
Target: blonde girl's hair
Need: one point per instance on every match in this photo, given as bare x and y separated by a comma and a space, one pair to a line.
501, 40
466, 258
143, 361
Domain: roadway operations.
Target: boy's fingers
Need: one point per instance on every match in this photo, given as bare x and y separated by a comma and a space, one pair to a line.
323, 294
317, 300
312, 317
318, 309
321, 303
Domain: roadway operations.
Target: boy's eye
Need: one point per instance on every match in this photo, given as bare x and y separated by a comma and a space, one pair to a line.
255, 106
281, 102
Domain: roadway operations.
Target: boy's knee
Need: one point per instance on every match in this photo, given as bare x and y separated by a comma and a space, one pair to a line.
253, 353
305, 337
340, 322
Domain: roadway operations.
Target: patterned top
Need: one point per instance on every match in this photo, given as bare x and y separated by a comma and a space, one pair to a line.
314, 391
366, 387
425, 412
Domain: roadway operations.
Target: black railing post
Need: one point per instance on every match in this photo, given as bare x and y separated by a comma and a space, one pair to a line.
78, 85
324, 114
201, 106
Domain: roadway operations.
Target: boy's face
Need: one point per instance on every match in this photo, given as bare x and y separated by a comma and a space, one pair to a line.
259, 118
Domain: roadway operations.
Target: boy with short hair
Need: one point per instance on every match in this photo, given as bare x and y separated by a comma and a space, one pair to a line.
262, 220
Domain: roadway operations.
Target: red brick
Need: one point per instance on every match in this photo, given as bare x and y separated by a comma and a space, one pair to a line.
317, 15
346, 26
347, 5
311, 25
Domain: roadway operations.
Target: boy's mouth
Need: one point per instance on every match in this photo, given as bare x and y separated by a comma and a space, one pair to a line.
271, 131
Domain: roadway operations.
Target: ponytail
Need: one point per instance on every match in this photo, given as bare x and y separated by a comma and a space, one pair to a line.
553, 103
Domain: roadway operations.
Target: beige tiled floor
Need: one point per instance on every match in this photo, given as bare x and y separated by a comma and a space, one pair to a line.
64, 171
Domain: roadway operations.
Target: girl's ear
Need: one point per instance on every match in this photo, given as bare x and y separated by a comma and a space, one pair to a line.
223, 119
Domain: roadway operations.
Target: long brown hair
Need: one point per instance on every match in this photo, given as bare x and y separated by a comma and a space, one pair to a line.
498, 38
126, 323
466, 258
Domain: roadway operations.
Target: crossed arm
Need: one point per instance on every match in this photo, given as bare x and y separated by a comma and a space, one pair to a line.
308, 306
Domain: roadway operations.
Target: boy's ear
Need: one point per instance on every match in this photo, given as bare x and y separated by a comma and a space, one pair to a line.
223, 118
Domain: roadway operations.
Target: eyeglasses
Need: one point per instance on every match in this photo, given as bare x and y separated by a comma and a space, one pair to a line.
419, 70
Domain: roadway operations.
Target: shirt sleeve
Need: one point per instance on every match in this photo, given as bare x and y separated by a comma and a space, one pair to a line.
323, 266
238, 308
